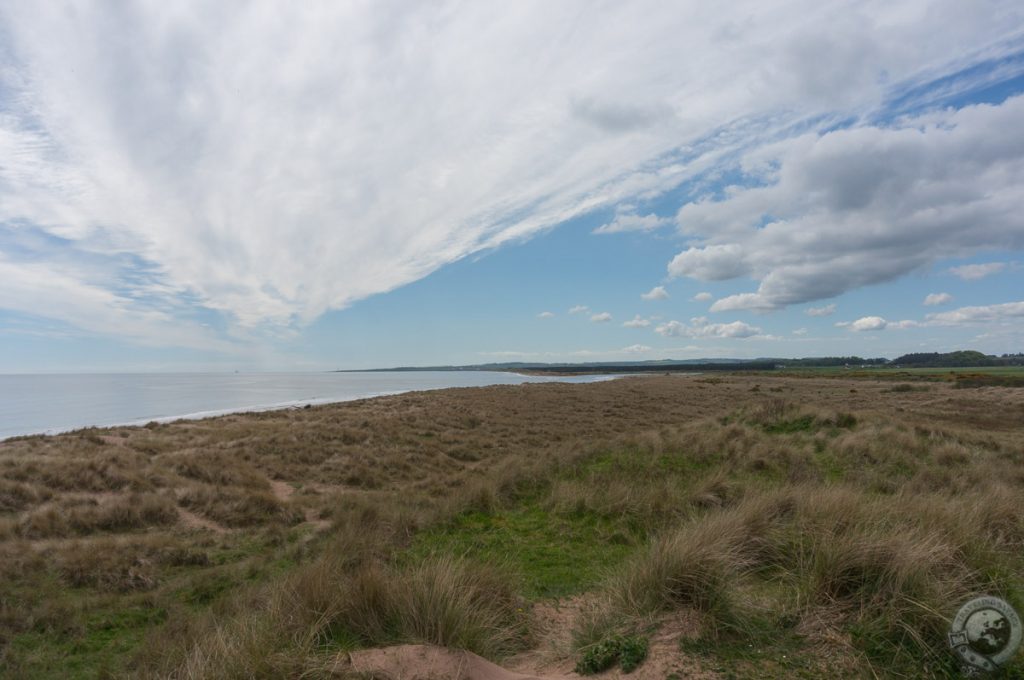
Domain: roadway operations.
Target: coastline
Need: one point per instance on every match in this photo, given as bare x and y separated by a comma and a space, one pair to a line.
293, 403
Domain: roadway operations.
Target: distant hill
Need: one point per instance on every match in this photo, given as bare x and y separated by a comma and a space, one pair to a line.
603, 366
812, 362
958, 359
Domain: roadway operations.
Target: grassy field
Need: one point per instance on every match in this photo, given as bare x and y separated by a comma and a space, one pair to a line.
692, 526
980, 376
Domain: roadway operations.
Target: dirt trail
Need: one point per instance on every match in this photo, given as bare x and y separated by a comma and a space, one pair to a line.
551, 660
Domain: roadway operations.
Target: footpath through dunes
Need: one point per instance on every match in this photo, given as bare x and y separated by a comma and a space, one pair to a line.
725, 525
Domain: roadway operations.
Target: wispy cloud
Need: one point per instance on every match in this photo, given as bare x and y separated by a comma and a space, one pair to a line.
601, 317
41, 289
546, 315
827, 310
637, 322
984, 314
579, 309
933, 299
973, 272
633, 222
981, 315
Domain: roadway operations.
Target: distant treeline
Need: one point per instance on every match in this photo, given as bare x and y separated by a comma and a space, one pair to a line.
963, 358
653, 368
823, 362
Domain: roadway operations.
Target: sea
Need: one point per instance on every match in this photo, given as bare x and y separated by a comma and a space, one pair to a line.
49, 404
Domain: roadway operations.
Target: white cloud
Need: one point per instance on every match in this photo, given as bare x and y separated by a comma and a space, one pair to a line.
800, 331
41, 289
636, 349
875, 323
601, 317
827, 310
633, 222
964, 316
869, 323
637, 322
973, 272
656, 293
834, 212
702, 297
700, 328
1009, 313
933, 299
271, 163
579, 309
546, 315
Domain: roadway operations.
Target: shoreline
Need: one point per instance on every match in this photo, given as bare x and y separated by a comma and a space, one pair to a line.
295, 404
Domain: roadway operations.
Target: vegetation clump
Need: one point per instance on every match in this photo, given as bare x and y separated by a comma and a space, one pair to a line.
626, 651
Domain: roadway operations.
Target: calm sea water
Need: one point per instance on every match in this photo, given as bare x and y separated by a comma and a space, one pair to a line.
32, 404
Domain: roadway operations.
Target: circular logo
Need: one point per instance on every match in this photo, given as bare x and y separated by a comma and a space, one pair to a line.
985, 633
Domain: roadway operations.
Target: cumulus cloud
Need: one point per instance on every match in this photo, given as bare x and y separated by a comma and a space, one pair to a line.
637, 322
601, 317
579, 309
933, 299
852, 207
633, 222
656, 293
546, 315
868, 323
973, 272
700, 328
270, 163
875, 323
702, 297
827, 310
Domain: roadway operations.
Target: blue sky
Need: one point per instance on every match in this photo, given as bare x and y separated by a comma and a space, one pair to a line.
260, 187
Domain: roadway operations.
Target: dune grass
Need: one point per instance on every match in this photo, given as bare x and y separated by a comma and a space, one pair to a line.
805, 524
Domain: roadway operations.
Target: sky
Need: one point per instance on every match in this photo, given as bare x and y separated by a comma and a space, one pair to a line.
203, 186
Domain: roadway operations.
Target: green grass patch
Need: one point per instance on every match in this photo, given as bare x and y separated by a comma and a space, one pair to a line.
632, 464
556, 555
105, 638
804, 423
